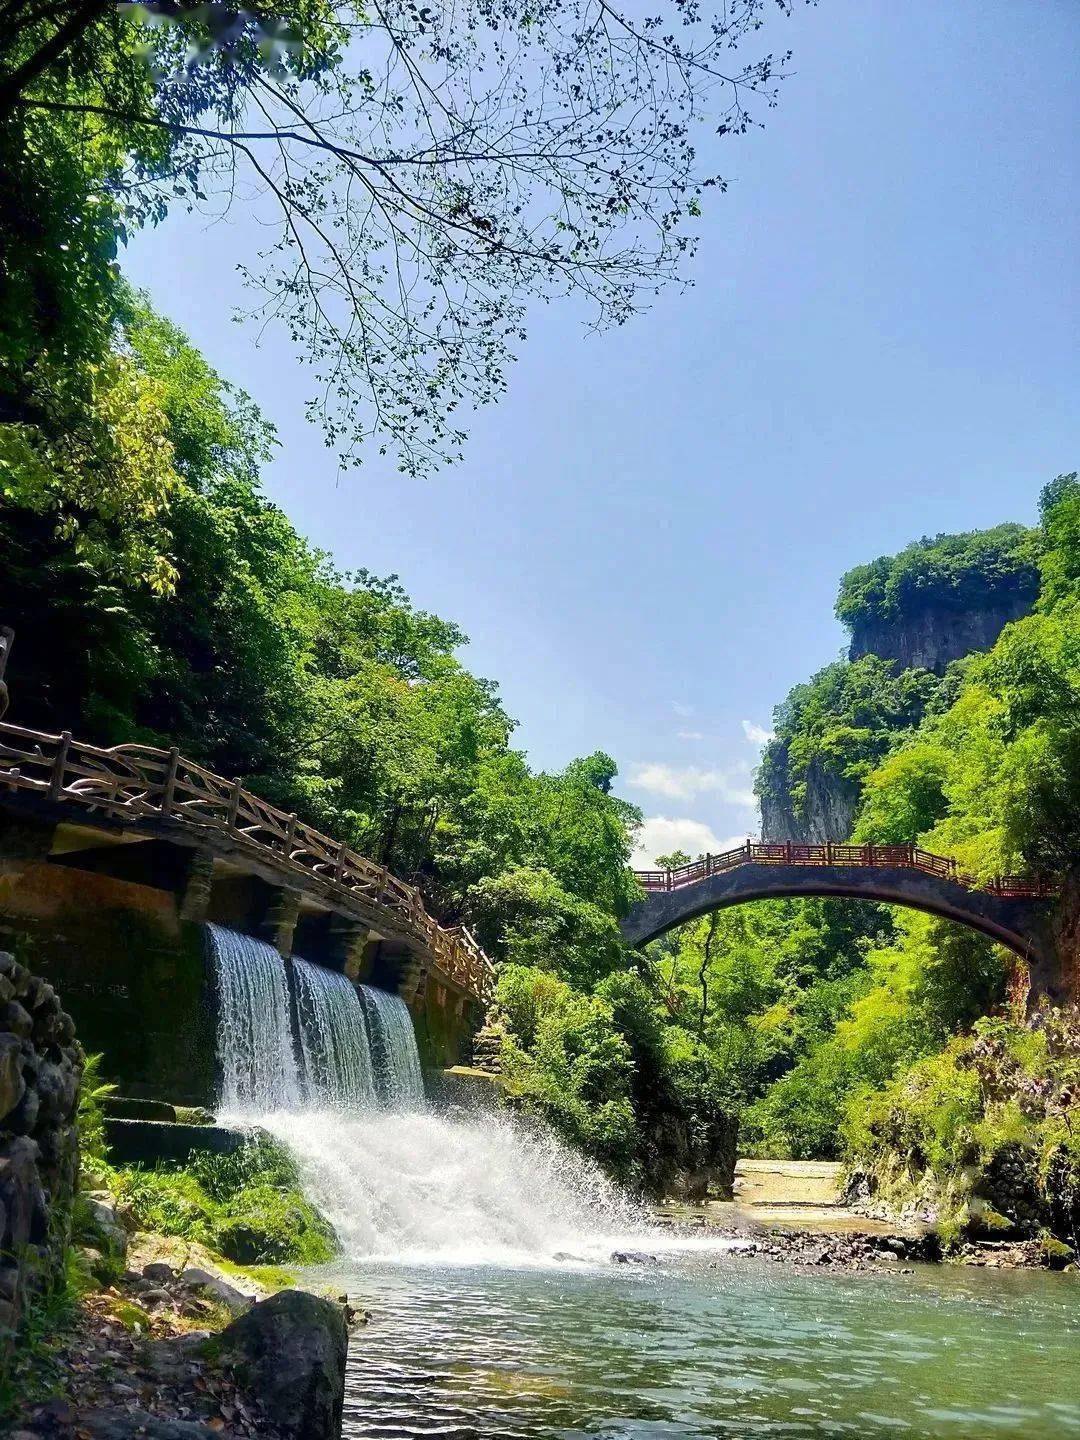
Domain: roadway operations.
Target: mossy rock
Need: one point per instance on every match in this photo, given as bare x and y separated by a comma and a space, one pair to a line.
1058, 1254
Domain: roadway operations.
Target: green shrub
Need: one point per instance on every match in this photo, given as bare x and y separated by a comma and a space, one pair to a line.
988, 1125
247, 1206
90, 1117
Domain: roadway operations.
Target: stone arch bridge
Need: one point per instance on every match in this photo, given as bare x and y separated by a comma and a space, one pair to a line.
1013, 910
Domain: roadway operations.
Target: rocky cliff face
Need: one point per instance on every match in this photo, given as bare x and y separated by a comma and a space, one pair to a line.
830, 811
830, 807
932, 636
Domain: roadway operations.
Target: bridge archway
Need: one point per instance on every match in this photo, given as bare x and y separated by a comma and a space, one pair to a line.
1017, 921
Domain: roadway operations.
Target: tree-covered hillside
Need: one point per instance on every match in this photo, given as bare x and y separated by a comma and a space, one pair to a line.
949, 572
901, 1046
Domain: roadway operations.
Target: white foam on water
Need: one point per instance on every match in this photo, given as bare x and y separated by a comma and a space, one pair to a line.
421, 1188
399, 1182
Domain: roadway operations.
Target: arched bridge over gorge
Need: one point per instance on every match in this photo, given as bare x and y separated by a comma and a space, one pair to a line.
1013, 910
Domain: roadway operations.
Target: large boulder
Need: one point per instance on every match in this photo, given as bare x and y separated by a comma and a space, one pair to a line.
289, 1351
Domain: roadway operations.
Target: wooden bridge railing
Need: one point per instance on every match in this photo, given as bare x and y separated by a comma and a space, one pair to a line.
909, 857
143, 783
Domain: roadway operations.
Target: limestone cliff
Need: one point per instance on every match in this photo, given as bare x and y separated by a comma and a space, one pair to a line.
910, 616
940, 598
827, 812
931, 636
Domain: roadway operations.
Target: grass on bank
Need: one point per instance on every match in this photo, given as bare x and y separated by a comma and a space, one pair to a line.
247, 1207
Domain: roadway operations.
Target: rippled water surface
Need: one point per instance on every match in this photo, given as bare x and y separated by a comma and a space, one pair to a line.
710, 1348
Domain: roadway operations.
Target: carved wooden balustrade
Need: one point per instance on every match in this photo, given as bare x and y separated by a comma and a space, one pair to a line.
148, 786
908, 857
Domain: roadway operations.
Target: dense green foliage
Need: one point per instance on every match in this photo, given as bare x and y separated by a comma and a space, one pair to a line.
329, 693
994, 779
832, 731
248, 1207
876, 1050
803, 1003
615, 1073
947, 572
159, 597
837, 726
985, 1127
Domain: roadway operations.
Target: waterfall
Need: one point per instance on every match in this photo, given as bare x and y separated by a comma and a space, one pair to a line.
254, 1033
333, 1038
420, 1187
398, 1081
397, 1181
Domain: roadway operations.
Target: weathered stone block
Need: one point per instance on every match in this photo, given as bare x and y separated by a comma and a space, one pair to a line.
12, 1084
16, 1020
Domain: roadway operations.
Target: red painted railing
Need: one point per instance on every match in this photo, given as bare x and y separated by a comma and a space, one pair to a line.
907, 857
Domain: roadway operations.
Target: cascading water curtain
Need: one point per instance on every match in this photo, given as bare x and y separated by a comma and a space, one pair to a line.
254, 1031
333, 1039
399, 1084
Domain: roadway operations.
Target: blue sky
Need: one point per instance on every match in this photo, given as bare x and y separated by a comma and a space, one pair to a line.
644, 539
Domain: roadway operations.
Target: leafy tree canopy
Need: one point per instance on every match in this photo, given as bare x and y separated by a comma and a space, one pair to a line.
949, 571
422, 172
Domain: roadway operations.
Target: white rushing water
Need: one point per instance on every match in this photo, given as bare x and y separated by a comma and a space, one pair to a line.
398, 1081
333, 1039
419, 1187
400, 1182
254, 1031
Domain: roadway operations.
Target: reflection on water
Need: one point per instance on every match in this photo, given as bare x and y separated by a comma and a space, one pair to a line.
717, 1348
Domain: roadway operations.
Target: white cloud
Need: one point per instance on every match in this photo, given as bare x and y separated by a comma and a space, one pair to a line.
683, 711
686, 781
689, 735
661, 835
756, 734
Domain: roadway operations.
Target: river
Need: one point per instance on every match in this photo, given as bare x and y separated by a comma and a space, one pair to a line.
712, 1347
481, 1247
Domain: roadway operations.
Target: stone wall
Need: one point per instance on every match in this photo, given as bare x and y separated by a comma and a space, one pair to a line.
132, 974
40, 1070
445, 1021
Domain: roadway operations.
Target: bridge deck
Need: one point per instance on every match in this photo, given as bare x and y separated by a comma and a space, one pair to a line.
909, 857
157, 792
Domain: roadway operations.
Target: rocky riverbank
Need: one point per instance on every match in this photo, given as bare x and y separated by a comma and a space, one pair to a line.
185, 1354
796, 1212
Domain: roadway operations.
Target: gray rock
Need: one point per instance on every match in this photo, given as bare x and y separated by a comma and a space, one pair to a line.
24, 1117
104, 1225
57, 1088
21, 1197
214, 1288
290, 1351
155, 1296
12, 1084
15, 1020
159, 1272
